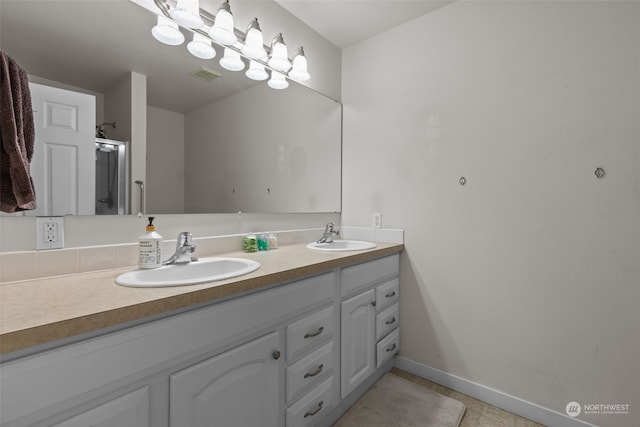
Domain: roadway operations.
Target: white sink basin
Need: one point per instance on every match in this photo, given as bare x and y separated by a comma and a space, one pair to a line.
342, 245
201, 271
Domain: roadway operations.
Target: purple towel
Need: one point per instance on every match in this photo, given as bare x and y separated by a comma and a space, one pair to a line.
17, 136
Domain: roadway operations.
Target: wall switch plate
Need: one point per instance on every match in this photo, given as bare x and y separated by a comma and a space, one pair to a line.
49, 232
376, 220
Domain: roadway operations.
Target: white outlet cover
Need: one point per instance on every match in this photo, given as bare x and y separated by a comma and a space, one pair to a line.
376, 220
41, 223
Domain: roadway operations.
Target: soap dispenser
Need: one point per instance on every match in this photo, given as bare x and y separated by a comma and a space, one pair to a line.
150, 247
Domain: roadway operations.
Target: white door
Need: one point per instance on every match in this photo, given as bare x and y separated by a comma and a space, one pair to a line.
358, 340
63, 164
238, 388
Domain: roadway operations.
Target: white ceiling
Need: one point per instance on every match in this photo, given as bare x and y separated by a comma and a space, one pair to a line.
345, 22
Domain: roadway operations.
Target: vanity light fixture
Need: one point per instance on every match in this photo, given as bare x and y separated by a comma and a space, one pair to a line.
256, 71
278, 59
219, 28
200, 47
166, 31
187, 14
222, 31
231, 60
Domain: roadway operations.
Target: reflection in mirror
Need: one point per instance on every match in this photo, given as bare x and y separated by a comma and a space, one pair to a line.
225, 145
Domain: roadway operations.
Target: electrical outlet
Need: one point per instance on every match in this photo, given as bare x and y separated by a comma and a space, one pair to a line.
49, 232
376, 220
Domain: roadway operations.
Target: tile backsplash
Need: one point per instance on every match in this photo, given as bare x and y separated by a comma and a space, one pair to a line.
28, 265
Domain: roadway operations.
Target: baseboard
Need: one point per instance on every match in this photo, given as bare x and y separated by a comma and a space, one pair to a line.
489, 395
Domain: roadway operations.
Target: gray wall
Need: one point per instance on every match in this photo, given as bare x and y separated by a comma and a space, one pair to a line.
165, 161
264, 150
526, 279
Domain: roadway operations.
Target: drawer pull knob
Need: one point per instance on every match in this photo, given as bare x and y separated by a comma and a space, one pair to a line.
393, 347
391, 294
316, 372
314, 334
312, 413
276, 355
373, 303
390, 321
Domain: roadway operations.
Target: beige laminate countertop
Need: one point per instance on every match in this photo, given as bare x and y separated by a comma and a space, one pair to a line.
41, 311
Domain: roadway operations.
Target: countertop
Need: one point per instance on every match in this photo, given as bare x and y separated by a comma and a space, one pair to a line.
41, 311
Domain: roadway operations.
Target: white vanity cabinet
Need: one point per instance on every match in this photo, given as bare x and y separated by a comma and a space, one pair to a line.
283, 356
239, 387
368, 319
130, 409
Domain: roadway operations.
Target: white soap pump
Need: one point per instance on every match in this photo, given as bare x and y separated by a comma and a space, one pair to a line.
150, 247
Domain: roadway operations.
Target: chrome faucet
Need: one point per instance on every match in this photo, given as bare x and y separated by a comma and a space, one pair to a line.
184, 249
329, 231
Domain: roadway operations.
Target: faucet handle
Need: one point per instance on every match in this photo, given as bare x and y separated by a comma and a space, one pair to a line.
184, 238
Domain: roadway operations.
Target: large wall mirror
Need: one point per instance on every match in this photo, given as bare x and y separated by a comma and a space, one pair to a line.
211, 146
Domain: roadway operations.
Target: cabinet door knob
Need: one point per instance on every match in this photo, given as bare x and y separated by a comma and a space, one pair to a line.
312, 413
314, 373
314, 334
390, 321
373, 303
276, 355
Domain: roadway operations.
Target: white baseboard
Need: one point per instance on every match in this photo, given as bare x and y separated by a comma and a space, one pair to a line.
489, 395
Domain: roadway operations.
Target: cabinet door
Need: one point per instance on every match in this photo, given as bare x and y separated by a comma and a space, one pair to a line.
131, 409
358, 340
238, 388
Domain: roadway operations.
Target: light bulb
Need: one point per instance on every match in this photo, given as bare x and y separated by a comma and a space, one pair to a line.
231, 60
278, 59
166, 31
253, 45
277, 81
187, 13
299, 70
223, 31
200, 47
256, 71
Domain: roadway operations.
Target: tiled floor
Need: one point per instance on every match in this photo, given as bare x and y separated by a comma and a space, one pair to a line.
478, 413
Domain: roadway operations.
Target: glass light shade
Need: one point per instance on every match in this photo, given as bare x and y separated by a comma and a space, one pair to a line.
277, 81
299, 70
222, 30
279, 57
253, 45
256, 71
200, 47
187, 13
166, 31
231, 60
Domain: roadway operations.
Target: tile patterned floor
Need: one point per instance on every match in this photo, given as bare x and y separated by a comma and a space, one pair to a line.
478, 413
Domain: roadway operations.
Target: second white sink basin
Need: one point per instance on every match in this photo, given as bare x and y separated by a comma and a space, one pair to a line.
342, 245
201, 271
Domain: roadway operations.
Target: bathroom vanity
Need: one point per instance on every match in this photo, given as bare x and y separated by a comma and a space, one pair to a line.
291, 345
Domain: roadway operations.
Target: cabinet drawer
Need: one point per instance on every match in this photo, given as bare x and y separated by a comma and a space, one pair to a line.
387, 293
309, 371
368, 273
387, 320
312, 407
387, 347
308, 331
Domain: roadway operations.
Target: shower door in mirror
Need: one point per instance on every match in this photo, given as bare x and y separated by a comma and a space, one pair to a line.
64, 162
